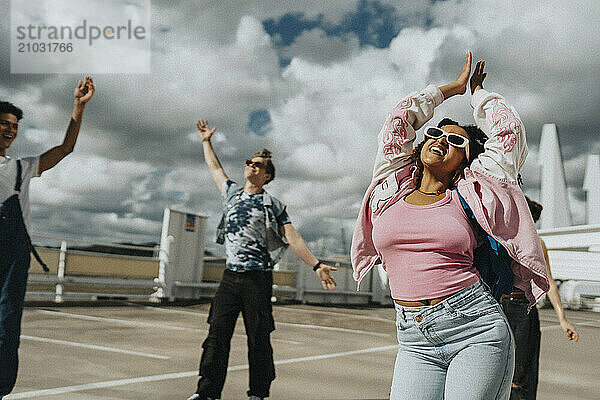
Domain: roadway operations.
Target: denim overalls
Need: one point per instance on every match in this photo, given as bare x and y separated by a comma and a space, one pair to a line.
15, 247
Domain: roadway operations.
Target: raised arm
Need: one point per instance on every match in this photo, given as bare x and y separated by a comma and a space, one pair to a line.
83, 93
399, 131
210, 157
459, 86
506, 149
301, 249
554, 297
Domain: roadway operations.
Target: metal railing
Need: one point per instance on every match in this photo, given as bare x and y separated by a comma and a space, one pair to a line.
76, 273
92, 274
574, 254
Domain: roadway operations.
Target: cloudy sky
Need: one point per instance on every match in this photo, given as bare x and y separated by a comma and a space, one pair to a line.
310, 80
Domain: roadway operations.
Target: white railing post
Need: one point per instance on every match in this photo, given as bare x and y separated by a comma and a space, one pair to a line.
162, 290
61, 271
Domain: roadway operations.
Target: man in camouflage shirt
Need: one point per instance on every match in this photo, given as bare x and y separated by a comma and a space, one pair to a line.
253, 225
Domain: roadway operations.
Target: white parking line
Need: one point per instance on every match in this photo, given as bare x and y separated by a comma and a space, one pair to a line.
178, 375
334, 329
295, 325
557, 326
117, 321
153, 325
341, 314
144, 324
300, 310
93, 347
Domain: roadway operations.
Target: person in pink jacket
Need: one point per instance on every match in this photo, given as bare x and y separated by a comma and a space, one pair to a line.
454, 340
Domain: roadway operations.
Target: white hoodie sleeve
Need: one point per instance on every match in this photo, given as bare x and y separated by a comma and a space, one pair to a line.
395, 140
506, 149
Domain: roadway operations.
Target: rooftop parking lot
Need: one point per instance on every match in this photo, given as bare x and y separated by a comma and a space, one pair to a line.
134, 351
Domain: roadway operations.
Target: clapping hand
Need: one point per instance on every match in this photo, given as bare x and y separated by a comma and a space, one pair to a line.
478, 76
463, 78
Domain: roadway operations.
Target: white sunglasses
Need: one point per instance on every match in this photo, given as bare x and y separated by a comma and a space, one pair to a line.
454, 139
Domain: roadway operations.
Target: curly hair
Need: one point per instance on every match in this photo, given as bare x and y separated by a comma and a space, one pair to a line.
10, 108
476, 141
269, 166
535, 208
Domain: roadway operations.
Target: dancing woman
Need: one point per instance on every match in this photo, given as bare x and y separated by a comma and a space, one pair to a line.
454, 340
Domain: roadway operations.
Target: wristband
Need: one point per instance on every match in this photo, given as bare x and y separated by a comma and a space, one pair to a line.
316, 267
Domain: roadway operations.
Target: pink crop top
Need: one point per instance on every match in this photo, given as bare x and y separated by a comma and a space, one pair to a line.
426, 250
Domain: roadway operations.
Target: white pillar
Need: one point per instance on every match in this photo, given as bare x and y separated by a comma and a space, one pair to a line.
591, 184
553, 196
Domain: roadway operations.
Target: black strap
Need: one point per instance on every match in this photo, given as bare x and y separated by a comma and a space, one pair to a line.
37, 256
32, 249
19, 178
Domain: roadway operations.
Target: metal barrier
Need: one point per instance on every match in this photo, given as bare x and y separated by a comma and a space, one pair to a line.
77, 274
574, 254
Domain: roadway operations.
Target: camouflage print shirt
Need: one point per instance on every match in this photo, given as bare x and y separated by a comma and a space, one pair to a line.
245, 229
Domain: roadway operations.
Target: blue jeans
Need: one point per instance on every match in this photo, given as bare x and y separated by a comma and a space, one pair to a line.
459, 349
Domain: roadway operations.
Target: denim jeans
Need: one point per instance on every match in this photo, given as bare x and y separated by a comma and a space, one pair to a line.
526, 329
459, 349
249, 293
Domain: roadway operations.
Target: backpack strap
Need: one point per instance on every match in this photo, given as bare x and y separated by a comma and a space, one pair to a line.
490, 258
19, 180
480, 234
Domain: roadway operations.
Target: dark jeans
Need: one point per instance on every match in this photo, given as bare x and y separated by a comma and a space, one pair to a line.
14, 266
249, 292
526, 330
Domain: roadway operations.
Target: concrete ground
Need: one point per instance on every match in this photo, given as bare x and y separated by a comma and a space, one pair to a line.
152, 352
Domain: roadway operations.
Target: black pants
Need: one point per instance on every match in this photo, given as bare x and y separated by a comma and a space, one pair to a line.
249, 292
14, 266
526, 330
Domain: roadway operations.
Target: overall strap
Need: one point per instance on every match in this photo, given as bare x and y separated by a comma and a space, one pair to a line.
37, 256
31, 248
19, 178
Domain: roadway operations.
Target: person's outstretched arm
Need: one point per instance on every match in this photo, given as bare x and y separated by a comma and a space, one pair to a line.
301, 249
554, 297
396, 137
506, 146
83, 93
210, 157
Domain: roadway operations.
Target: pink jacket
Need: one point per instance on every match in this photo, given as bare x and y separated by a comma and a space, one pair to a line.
490, 186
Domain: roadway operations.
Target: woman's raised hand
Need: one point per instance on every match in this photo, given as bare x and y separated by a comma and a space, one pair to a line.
478, 76
463, 77
459, 86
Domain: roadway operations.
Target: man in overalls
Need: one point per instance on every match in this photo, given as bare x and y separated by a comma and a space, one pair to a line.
15, 245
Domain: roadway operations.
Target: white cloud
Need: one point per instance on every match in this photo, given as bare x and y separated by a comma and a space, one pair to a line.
139, 150
315, 46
